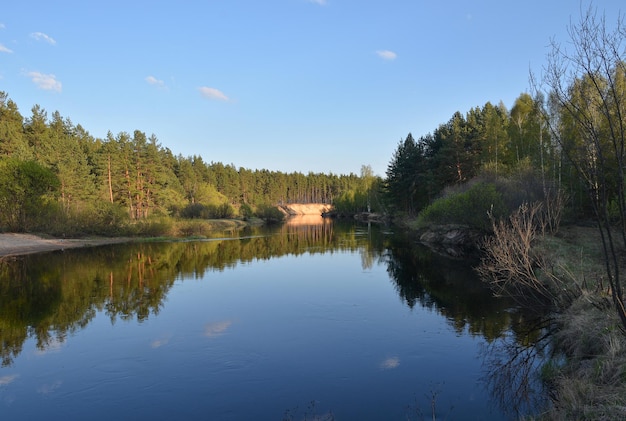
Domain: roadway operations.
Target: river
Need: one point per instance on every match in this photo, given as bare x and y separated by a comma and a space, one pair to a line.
313, 319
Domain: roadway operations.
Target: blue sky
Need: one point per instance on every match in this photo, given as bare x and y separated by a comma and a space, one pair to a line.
286, 85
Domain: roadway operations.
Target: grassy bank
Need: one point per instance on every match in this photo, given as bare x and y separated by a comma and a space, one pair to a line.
587, 376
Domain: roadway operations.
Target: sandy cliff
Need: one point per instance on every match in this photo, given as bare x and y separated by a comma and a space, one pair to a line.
304, 209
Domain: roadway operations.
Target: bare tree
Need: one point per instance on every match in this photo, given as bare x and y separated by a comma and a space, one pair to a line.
585, 82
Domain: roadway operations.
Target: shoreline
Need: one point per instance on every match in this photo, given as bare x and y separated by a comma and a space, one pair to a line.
13, 244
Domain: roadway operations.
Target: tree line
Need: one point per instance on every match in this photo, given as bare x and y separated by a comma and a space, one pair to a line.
486, 142
53, 172
560, 151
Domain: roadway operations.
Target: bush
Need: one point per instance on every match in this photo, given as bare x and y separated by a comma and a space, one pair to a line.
470, 208
198, 210
269, 213
245, 211
223, 211
194, 210
154, 227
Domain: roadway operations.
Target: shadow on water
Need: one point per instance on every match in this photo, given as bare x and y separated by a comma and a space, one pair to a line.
48, 297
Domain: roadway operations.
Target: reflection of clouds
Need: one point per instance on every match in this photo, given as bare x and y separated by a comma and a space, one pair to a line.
5, 380
46, 389
390, 363
158, 343
213, 330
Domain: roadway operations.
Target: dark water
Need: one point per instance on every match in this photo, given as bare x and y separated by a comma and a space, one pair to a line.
311, 320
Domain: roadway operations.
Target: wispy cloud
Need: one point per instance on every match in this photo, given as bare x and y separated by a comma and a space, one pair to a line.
212, 93
386, 54
156, 82
320, 2
4, 49
44, 81
40, 36
2, 26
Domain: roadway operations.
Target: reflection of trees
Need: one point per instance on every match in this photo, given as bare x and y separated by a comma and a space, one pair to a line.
515, 338
449, 286
511, 367
48, 296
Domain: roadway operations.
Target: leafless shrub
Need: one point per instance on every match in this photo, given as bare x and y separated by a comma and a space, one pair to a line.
554, 200
514, 269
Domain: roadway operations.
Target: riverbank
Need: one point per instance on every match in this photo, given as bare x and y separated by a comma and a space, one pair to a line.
16, 244
585, 371
20, 244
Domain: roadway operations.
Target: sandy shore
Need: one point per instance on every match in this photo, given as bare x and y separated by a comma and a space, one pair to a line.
18, 244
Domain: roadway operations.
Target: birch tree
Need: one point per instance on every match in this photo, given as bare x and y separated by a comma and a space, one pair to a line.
586, 81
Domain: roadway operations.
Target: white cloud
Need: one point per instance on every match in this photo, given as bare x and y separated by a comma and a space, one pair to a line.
156, 82
386, 54
2, 26
320, 2
212, 93
40, 36
45, 82
4, 49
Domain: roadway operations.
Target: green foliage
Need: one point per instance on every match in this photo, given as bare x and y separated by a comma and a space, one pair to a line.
470, 208
269, 213
245, 211
197, 210
26, 191
160, 226
406, 185
351, 202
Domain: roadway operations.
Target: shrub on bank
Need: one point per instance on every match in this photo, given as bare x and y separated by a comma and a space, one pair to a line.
269, 213
211, 211
470, 208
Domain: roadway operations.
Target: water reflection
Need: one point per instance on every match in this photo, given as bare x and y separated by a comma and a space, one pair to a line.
49, 297
448, 286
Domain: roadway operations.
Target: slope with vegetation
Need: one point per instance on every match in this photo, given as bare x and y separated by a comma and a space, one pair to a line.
532, 180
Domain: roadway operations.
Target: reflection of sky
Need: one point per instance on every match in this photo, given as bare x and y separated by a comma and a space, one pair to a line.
311, 326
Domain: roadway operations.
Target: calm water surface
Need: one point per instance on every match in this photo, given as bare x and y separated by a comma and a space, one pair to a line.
311, 320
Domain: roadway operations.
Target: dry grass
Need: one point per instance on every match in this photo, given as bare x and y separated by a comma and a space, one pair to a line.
576, 250
591, 383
